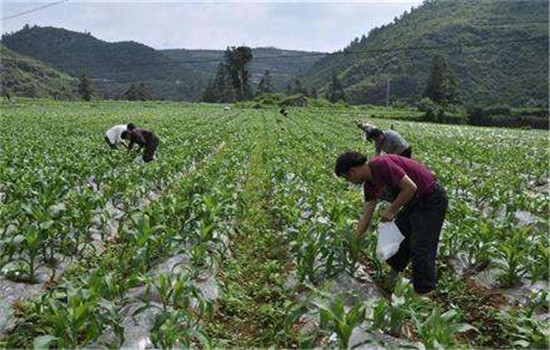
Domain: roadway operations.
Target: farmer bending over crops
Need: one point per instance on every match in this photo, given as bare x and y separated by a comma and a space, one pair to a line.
388, 141
417, 202
113, 135
144, 139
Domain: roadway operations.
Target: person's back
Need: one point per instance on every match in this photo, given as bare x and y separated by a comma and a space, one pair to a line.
388, 170
393, 143
113, 136
145, 139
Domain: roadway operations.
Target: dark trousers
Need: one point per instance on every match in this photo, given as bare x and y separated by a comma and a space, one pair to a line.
112, 145
150, 148
407, 153
420, 222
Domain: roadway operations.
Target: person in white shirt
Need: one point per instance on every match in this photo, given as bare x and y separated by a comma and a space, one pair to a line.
113, 135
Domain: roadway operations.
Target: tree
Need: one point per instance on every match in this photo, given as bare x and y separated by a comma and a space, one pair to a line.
335, 90
232, 80
298, 88
265, 85
236, 59
295, 86
220, 89
441, 86
313, 93
289, 88
137, 92
85, 87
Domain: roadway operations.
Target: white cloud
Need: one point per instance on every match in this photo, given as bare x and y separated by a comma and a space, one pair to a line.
306, 25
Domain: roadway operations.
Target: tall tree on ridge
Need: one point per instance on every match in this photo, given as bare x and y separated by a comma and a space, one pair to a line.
85, 87
441, 86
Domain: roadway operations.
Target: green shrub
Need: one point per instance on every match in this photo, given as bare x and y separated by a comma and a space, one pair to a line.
298, 100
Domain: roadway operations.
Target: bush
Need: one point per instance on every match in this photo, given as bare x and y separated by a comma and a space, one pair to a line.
427, 106
270, 99
433, 112
298, 100
481, 112
504, 116
319, 102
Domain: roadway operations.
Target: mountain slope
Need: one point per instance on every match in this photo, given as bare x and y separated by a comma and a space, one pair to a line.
24, 76
282, 64
498, 51
112, 66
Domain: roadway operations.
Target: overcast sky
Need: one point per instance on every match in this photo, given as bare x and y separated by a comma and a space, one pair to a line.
315, 26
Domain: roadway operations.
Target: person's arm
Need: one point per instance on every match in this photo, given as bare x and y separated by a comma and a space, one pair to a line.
139, 140
408, 189
378, 147
133, 141
364, 223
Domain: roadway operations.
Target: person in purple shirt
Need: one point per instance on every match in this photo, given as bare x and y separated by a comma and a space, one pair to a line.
144, 139
417, 203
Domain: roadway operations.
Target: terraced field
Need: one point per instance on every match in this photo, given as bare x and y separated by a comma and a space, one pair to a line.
239, 234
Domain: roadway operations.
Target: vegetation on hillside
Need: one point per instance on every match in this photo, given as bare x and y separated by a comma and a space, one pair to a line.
283, 65
24, 76
112, 67
514, 72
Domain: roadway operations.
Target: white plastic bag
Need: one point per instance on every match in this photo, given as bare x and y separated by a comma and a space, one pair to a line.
389, 239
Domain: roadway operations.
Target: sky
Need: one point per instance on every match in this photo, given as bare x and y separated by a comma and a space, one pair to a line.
302, 25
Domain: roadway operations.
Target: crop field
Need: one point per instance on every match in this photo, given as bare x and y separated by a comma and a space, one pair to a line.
240, 235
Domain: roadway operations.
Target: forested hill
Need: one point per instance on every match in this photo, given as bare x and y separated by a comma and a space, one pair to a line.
283, 65
112, 66
498, 51
24, 76
167, 74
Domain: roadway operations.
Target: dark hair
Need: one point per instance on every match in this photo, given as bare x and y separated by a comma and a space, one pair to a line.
130, 126
125, 135
348, 160
373, 133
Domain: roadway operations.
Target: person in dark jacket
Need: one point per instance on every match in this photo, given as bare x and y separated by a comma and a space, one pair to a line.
417, 202
144, 139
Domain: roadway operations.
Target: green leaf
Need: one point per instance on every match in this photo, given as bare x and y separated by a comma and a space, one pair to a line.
522, 343
463, 327
43, 341
57, 209
17, 240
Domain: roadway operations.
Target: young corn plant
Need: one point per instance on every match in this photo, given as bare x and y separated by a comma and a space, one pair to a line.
182, 307
148, 238
539, 262
72, 318
30, 247
513, 253
202, 258
175, 291
308, 251
177, 328
439, 330
336, 317
353, 245
390, 317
